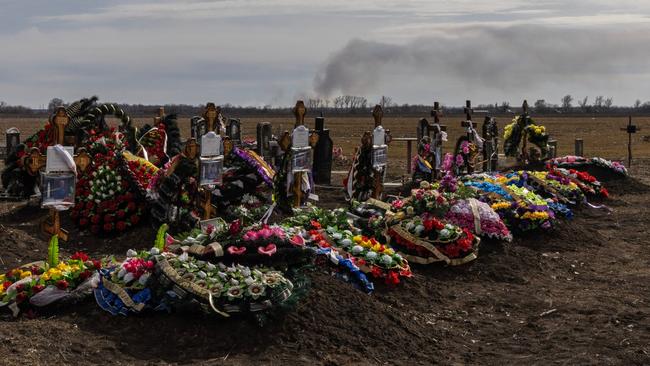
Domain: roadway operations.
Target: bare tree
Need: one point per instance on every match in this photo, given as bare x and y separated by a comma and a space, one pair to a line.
540, 105
505, 106
54, 104
385, 101
637, 104
598, 102
608, 103
566, 102
583, 104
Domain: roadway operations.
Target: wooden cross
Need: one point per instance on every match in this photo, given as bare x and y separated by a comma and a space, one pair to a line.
299, 112
467, 123
211, 116
630, 129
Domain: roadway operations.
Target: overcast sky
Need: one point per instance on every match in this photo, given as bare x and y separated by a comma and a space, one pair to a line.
257, 52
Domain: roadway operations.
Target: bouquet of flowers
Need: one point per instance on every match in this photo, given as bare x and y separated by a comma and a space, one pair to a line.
531, 211
40, 284
478, 218
126, 287
556, 184
425, 239
615, 166
270, 245
222, 288
139, 171
586, 182
372, 257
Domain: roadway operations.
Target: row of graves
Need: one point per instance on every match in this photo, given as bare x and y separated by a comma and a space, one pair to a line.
236, 234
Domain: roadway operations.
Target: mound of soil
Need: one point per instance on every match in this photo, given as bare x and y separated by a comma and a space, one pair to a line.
575, 294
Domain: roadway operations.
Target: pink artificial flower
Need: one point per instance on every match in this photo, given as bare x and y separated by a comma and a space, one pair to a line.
267, 250
233, 250
297, 240
265, 233
459, 160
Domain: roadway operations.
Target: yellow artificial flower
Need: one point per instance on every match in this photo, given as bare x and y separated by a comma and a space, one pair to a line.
356, 238
25, 274
376, 248
45, 276
2, 277
389, 251
500, 205
2, 289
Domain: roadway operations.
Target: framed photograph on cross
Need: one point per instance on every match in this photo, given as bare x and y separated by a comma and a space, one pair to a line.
211, 171
58, 190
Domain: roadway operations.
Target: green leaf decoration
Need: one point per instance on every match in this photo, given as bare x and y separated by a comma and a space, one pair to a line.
53, 252
160, 237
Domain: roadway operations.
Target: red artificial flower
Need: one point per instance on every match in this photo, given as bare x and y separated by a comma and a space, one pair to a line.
37, 288
108, 218
376, 272
6, 284
108, 226
83, 221
95, 219
235, 227
97, 264
121, 225
22, 296
120, 214
62, 284
20, 287
604, 192
85, 274
315, 224
135, 219
131, 206
361, 262
392, 278
80, 256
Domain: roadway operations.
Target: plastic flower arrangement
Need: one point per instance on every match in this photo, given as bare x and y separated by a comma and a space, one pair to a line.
372, 257
44, 283
615, 166
425, 239
587, 183
104, 202
270, 245
479, 218
225, 289
135, 271
531, 210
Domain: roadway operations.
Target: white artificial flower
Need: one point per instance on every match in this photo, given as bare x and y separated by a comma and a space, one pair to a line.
131, 253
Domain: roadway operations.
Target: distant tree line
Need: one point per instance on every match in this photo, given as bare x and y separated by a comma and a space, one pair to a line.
354, 105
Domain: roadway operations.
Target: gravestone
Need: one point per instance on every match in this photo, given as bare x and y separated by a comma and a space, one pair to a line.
233, 130
264, 136
322, 165
12, 138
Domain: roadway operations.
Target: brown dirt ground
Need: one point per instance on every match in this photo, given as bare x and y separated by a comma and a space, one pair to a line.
577, 294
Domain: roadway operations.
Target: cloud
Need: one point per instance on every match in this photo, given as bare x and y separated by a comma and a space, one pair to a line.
491, 61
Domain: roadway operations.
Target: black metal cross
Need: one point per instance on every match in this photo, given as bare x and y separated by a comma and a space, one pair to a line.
630, 129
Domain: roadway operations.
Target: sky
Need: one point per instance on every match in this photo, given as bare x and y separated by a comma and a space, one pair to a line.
265, 52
